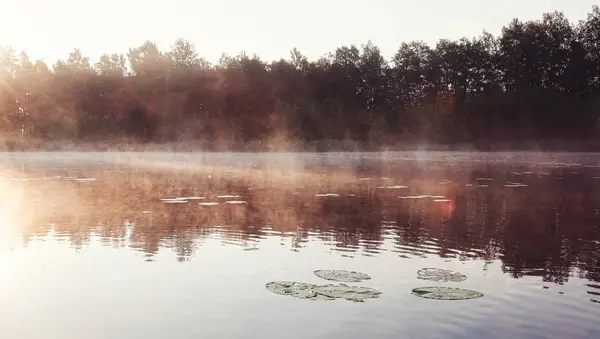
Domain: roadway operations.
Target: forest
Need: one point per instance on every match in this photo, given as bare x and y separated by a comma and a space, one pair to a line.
536, 85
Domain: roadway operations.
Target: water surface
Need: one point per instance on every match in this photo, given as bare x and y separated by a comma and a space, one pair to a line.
164, 245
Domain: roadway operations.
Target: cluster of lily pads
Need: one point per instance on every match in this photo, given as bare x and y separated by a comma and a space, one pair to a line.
328, 291
360, 294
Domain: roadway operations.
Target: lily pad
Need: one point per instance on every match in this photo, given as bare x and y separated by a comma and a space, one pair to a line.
174, 201
440, 275
208, 203
295, 289
446, 293
236, 202
325, 195
322, 292
514, 185
342, 275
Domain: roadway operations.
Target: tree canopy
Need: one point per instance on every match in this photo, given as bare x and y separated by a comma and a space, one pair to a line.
538, 80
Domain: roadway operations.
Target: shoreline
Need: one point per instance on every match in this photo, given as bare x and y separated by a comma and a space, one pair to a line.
322, 146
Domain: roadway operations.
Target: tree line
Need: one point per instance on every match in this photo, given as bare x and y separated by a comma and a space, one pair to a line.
538, 80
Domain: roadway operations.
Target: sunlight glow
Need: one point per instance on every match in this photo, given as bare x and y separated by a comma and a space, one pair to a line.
50, 29
10, 207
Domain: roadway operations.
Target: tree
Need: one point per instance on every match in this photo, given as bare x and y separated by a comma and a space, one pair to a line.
537, 80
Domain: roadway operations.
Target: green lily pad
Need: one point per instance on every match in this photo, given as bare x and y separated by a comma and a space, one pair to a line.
295, 289
440, 275
322, 292
342, 275
446, 293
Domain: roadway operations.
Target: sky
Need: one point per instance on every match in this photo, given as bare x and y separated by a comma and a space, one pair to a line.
51, 29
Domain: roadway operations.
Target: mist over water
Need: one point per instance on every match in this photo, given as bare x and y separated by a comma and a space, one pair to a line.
156, 245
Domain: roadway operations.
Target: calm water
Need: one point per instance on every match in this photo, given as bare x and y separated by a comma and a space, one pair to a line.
89, 250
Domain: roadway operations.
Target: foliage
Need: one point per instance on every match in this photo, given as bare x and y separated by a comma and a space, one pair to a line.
538, 80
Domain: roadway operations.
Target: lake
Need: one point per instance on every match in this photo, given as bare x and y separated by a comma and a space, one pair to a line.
182, 245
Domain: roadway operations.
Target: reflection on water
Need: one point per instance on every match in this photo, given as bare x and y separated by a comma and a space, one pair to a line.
524, 221
550, 230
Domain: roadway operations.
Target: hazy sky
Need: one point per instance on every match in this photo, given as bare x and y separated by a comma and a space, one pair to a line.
50, 29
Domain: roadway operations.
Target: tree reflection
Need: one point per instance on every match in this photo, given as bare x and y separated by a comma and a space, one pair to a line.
549, 228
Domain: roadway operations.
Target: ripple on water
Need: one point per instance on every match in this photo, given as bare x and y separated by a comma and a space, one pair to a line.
498, 227
594, 292
83, 180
